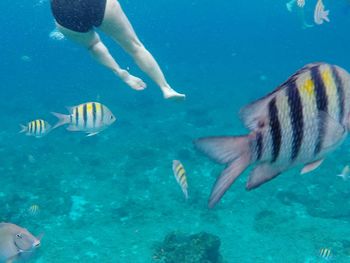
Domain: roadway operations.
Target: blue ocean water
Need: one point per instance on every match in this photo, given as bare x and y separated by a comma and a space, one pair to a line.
110, 197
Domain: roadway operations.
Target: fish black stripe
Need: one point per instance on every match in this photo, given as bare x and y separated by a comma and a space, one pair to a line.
39, 124
85, 115
102, 113
30, 127
320, 89
34, 124
322, 105
340, 92
296, 117
94, 114
179, 170
76, 116
259, 145
275, 128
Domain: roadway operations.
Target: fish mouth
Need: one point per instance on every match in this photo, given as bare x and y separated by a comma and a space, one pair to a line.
36, 244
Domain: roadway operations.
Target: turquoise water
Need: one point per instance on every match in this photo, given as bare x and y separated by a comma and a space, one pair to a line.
110, 197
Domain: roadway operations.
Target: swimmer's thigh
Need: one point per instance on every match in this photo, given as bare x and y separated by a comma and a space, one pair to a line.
117, 25
86, 39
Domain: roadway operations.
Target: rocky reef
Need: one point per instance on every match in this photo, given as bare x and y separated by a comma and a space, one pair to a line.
198, 248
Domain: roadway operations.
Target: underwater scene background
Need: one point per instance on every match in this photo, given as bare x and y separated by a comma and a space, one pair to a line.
113, 197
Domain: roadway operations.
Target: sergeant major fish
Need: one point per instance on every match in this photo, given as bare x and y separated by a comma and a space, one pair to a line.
90, 117
325, 253
180, 176
36, 128
300, 122
16, 243
301, 3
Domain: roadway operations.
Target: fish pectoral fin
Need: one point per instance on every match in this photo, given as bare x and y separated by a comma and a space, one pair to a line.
262, 174
72, 128
334, 131
311, 166
92, 134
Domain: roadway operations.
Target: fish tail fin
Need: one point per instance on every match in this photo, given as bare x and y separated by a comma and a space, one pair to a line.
325, 15
23, 128
62, 119
234, 151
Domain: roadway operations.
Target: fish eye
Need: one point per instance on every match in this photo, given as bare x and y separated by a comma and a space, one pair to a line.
19, 236
112, 117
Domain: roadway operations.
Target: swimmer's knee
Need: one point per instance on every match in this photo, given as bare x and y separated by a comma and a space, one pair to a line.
134, 47
94, 45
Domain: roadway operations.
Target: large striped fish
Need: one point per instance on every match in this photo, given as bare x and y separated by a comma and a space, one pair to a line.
90, 117
37, 128
300, 122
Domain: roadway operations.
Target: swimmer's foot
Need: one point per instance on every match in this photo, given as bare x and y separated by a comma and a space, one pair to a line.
170, 94
133, 82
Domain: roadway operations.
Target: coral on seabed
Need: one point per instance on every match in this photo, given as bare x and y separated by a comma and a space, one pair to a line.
198, 248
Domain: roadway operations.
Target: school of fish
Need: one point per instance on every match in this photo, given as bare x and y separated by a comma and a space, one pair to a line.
298, 124
89, 117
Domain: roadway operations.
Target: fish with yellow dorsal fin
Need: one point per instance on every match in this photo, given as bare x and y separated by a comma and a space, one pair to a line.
299, 123
90, 117
37, 128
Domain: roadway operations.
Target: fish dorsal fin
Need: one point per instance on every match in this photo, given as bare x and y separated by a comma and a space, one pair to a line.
255, 114
311, 166
70, 109
334, 132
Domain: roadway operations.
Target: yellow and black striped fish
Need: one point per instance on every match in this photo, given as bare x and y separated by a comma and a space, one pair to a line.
36, 128
33, 210
180, 176
300, 122
325, 253
90, 117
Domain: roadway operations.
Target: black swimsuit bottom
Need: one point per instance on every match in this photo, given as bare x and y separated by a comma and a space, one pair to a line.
78, 15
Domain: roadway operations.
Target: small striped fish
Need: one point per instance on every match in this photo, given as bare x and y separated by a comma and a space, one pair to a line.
180, 176
325, 253
301, 3
33, 210
90, 117
299, 123
36, 128
320, 14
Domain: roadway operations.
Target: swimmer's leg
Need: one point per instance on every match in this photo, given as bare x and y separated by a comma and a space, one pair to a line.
99, 52
117, 25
